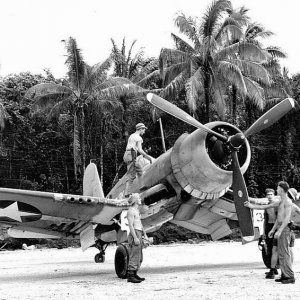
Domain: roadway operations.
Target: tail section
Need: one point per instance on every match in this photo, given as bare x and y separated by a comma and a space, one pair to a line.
91, 182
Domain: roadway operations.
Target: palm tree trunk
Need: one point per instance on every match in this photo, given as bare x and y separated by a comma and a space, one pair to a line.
207, 97
124, 119
234, 105
82, 129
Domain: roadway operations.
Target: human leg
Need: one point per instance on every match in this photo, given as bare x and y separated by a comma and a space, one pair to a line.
134, 258
285, 259
131, 174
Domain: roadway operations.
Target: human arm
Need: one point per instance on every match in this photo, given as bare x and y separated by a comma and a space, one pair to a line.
271, 232
259, 201
296, 208
130, 218
259, 206
142, 152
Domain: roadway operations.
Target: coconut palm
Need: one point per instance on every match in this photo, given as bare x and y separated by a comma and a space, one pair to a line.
84, 82
137, 73
208, 64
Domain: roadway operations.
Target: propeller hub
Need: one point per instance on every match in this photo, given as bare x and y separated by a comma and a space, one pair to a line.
237, 140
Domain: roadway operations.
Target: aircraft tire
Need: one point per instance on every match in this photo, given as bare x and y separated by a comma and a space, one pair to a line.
266, 258
121, 261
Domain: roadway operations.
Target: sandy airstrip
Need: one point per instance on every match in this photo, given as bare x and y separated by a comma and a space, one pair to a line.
208, 270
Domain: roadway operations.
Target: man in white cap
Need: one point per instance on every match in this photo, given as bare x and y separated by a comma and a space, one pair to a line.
134, 146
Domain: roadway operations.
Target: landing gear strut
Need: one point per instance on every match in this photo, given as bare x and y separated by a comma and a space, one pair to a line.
101, 246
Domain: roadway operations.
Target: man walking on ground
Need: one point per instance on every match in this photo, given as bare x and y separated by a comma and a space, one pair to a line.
135, 239
134, 145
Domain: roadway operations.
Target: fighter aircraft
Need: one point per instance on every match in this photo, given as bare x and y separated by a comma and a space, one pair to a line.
189, 185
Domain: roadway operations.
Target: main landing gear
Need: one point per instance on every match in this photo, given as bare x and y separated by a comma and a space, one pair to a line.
121, 260
101, 246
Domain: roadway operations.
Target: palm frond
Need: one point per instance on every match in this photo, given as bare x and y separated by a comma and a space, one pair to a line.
276, 52
211, 18
149, 67
181, 44
171, 72
47, 94
96, 74
75, 64
111, 82
170, 56
149, 78
233, 74
253, 52
135, 64
176, 85
188, 27
104, 104
255, 92
59, 108
194, 88
124, 90
218, 94
275, 91
129, 52
253, 69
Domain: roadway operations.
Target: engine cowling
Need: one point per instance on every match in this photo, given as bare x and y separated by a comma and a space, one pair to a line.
201, 164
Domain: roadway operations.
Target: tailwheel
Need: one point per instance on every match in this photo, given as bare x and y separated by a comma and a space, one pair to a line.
101, 246
99, 257
121, 260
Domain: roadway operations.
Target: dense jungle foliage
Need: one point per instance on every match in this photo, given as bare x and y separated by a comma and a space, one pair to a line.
218, 70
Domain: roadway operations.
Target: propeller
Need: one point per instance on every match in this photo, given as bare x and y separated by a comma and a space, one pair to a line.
233, 143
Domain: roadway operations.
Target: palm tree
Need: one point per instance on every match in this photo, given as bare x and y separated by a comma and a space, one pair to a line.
136, 71
84, 83
208, 65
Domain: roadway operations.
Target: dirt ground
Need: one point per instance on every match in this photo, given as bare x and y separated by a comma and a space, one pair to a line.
208, 270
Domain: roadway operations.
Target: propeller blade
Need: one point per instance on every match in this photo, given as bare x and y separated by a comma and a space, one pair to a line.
178, 113
271, 116
240, 195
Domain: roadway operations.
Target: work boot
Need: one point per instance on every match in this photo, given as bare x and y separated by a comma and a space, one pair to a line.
138, 277
280, 279
270, 274
275, 271
132, 278
288, 280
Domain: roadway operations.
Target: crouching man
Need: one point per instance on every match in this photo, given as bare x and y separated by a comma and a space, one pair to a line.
135, 239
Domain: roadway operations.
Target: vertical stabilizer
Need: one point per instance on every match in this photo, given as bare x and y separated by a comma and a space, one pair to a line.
91, 182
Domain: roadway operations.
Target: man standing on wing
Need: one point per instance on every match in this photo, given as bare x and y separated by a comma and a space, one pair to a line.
134, 146
135, 239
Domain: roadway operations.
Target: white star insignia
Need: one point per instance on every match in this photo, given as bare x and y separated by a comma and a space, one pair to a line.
12, 212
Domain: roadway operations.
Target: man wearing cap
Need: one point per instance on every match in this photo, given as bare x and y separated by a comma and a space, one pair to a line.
134, 145
135, 239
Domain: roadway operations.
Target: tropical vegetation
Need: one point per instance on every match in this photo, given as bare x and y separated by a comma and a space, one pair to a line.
218, 69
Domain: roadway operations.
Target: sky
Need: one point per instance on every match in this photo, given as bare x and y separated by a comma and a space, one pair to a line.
32, 30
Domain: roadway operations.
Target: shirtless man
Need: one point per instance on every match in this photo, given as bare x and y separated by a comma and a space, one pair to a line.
282, 232
135, 239
270, 218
